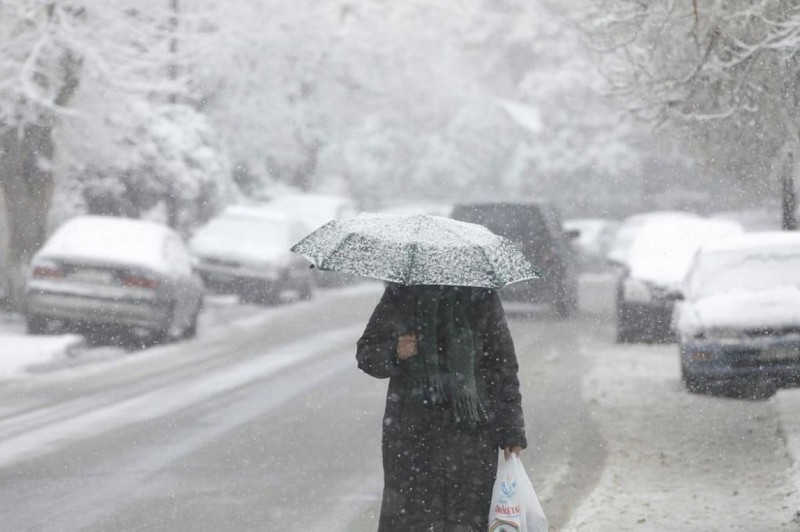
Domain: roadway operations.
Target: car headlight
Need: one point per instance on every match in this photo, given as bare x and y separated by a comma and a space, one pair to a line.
636, 291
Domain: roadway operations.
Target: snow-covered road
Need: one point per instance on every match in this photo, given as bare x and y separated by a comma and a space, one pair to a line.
263, 421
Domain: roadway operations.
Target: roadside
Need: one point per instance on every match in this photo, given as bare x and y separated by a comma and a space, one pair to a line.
22, 355
788, 403
680, 461
19, 350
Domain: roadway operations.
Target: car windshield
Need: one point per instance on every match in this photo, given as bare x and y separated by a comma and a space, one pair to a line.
517, 223
752, 271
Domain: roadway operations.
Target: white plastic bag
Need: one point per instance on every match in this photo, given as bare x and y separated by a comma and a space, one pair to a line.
515, 506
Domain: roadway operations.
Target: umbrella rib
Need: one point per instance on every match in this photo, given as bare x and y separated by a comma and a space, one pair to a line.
452, 232
495, 278
336, 250
412, 257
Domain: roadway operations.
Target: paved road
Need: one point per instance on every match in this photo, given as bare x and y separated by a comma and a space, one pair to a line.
266, 424
259, 426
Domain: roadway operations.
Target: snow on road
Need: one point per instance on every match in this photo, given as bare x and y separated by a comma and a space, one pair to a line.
22, 355
679, 461
19, 350
788, 402
19, 442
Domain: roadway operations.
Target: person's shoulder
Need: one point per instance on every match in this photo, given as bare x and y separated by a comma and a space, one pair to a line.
393, 290
482, 293
396, 294
483, 297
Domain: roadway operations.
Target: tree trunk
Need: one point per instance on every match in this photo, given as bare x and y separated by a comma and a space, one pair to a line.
789, 198
27, 192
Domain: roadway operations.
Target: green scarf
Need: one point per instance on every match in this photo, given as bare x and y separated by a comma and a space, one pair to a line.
430, 384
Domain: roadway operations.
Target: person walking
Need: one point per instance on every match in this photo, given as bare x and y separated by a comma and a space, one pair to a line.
453, 400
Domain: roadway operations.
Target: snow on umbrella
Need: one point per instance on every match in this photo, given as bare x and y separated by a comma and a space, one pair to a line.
416, 250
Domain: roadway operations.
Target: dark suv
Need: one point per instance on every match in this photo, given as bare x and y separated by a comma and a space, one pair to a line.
536, 228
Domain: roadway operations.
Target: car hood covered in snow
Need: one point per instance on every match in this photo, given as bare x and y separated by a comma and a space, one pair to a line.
778, 308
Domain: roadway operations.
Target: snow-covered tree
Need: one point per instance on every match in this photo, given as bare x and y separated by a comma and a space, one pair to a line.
410, 97
93, 84
726, 72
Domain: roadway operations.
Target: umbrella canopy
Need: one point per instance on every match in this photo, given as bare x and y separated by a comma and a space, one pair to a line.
416, 250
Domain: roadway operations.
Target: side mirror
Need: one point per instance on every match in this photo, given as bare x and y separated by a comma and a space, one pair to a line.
677, 295
617, 265
572, 234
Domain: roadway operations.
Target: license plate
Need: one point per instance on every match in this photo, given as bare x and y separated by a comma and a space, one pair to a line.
781, 353
221, 278
90, 276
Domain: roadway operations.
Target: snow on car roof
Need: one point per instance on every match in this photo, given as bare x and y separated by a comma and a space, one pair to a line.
630, 227
754, 241
258, 210
245, 235
315, 210
663, 249
110, 240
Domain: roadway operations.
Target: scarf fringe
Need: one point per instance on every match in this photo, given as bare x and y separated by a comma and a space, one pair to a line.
468, 411
430, 389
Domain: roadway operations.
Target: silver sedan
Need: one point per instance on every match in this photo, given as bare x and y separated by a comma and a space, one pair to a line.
98, 271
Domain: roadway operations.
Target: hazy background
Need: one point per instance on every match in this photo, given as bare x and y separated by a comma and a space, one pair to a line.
170, 109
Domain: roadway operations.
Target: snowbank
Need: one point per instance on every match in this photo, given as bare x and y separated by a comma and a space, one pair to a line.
18, 350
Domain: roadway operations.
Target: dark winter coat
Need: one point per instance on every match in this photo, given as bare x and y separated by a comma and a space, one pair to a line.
438, 475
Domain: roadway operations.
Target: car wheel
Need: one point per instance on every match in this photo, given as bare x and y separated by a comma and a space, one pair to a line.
167, 331
624, 334
191, 330
692, 382
566, 302
37, 325
307, 291
629, 331
566, 307
269, 294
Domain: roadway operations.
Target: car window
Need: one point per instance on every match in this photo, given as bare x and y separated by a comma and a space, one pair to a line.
744, 271
517, 223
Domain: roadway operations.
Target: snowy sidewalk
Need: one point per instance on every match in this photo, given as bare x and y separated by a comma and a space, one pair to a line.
679, 461
788, 402
18, 350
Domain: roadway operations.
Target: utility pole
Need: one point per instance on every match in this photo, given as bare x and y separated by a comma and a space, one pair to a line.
171, 200
173, 46
789, 198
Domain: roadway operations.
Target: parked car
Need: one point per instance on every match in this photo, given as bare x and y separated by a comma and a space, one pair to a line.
246, 252
739, 319
536, 228
593, 242
656, 263
408, 209
315, 210
620, 245
114, 272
